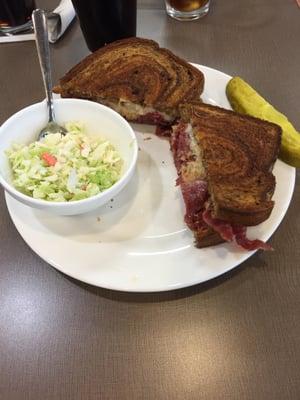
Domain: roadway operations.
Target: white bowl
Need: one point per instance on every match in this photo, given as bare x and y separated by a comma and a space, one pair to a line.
24, 126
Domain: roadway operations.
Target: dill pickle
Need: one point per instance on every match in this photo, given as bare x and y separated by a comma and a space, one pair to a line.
245, 100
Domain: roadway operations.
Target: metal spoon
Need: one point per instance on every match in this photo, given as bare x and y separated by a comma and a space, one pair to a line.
42, 44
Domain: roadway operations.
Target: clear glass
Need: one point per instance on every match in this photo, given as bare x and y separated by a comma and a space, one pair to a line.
187, 10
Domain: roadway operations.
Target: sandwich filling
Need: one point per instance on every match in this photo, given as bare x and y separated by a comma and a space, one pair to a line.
199, 214
139, 113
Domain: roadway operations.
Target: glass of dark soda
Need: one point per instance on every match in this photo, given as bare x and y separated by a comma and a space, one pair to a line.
104, 21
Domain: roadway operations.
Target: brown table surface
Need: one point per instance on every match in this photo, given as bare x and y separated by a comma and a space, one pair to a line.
236, 337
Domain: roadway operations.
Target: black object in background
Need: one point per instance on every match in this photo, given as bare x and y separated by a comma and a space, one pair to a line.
104, 21
15, 12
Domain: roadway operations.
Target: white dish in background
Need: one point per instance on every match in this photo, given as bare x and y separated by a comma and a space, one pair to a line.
139, 242
24, 126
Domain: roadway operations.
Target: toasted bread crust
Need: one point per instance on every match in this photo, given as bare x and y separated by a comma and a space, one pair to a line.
207, 237
245, 200
241, 217
264, 145
238, 153
136, 70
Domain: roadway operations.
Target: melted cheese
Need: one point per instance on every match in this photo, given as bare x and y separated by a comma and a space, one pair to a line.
133, 111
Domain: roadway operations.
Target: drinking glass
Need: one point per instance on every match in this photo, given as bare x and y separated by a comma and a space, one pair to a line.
187, 10
104, 21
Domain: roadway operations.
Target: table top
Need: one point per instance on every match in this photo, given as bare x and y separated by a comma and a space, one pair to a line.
236, 337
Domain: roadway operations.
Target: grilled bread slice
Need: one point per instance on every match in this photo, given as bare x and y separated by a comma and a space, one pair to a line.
137, 78
236, 154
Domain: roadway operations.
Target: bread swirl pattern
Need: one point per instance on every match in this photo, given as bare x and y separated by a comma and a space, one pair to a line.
238, 153
134, 71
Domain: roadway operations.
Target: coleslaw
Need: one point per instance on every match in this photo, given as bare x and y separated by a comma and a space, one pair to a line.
65, 168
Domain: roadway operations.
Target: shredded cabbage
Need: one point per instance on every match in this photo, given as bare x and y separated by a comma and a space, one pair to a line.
65, 168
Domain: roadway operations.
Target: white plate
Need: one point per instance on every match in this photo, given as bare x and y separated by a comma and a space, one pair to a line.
139, 242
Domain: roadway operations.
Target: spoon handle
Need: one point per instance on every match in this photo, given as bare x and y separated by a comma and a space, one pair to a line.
42, 44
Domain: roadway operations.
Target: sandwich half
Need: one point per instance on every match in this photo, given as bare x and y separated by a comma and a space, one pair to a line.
224, 162
137, 78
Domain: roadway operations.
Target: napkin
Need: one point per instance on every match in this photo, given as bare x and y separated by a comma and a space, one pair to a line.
58, 21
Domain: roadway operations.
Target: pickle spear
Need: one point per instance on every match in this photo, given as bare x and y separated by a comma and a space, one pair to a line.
245, 100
